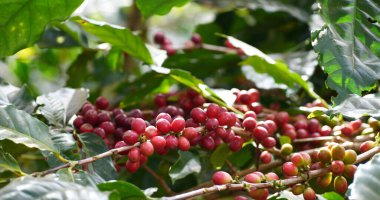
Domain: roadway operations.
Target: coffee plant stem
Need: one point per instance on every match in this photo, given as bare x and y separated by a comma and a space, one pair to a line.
159, 179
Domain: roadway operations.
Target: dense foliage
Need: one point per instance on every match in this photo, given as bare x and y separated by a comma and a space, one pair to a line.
265, 99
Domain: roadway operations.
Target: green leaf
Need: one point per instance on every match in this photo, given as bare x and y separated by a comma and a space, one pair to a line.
9, 163
93, 145
187, 163
58, 107
158, 7
332, 196
20, 127
220, 155
21, 98
46, 188
348, 45
355, 106
125, 189
119, 37
81, 177
22, 22
367, 180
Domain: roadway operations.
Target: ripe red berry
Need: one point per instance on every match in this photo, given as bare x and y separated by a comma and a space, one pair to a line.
213, 110
121, 144
138, 125
160, 100
159, 38
256, 107
325, 130
271, 126
171, 142
221, 132
347, 130
269, 142
198, 100
271, 176
337, 167
134, 154
178, 124
211, 124
340, 184
314, 126
221, 178
260, 133
150, 132
164, 116
282, 118
309, 194
103, 117
78, 122
86, 107
207, 143
100, 132
130, 137
262, 193
355, 125
183, 143
198, 115
300, 124
302, 133
86, 128
250, 114
289, 169
190, 133
196, 38
147, 148
255, 95
108, 127
158, 142
91, 116
365, 146
236, 143
101, 103
132, 167
224, 118
163, 126
253, 178
265, 157
249, 123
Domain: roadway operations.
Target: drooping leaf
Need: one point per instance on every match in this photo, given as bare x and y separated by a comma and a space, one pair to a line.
21, 98
355, 106
187, 163
20, 127
9, 163
22, 22
220, 155
124, 189
119, 37
93, 145
367, 180
58, 107
348, 45
158, 7
332, 196
29, 188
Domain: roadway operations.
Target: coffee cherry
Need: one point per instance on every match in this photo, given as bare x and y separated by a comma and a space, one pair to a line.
260, 133
86, 107
108, 127
271, 176
340, 184
236, 143
313, 126
86, 128
338, 152
347, 130
250, 114
132, 167
138, 125
249, 123
265, 157
282, 118
256, 107
190, 133
103, 117
355, 125
221, 132
160, 100
325, 130
349, 171
183, 143
240, 198
224, 118
268, 142
211, 124
289, 169
365, 146
178, 124
134, 154
255, 94
150, 132
302, 133
297, 159
198, 115
262, 193
159, 38
221, 178
271, 126
78, 122
121, 144
324, 155
213, 110
292, 134
325, 180
143, 159
158, 142
286, 149
196, 38
300, 124
147, 148
309, 194
207, 143
298, 189
164, 116
100, 132
171, 142
130, 137
253, 178
101, 103
163, 126
350, 157
91, 117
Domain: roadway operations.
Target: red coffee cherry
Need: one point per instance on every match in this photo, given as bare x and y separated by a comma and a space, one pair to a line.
289, 169
101, 103
309, 194
221, 178
340, 184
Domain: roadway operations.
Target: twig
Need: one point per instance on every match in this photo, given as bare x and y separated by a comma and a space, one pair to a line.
160, 180
285, 182
231, 167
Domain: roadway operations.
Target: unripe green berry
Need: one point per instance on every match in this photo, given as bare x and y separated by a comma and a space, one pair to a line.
286, 149
325, 180
338, 152
350, 157
340, 184
324, 155
309, 194
298, 189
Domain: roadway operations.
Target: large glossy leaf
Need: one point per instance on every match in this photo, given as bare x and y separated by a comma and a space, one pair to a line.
93, 145
118, 37
367, 180
46, 188
187, 163
80, 177
20, 127
124, 189
158, 7
22, 22
349, 45
21, 98
58, 107
355, 106
220, 155
9, 163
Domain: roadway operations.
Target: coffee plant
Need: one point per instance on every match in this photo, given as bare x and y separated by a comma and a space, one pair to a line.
205, 99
